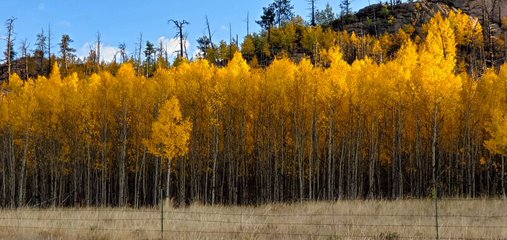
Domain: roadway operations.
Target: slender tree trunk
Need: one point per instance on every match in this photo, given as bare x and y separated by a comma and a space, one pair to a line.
399, 155
144, 177
243, 158
371, 189
350, 157
75, 181
97, 188
294, 159
341, 177
103, 186
488, 176
434, 151
469, 155
182, 177
136, 178
156, 181
301, 167
503, 176
435, 166
21, 191
168, 183
313, 156
10, 44
379, 157
418, 159
36, 184
215, 160
88, 175
357, 156
4, 173
194, 186
123, 152
12, 170
394, 158
330, 157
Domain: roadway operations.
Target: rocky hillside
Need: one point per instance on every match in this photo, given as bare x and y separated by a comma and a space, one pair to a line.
495, 10
380, 18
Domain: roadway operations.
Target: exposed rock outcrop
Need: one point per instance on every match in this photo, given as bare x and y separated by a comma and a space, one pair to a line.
495, 10
380, 18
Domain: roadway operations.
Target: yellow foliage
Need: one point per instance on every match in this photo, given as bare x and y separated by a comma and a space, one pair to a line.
280, 76
497, 128
494, 96
439, 47
170, 133
468, 30
354, 108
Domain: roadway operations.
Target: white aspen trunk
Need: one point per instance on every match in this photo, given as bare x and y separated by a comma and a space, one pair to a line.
168, 183
21, 199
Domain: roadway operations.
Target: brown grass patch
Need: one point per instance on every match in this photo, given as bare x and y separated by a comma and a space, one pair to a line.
412, 219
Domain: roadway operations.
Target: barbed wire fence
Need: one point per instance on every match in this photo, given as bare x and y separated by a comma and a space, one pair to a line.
177, 223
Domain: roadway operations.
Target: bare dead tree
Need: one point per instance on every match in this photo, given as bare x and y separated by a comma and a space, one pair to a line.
40, 50
123, 52
139, 52
179, 25
185, 46
49, 49
160, 54
488, 8
230, 41
312, 13
24, 52
166, 53
10, 44
209, 33
375, 19
248, 23
98, 52
346, 9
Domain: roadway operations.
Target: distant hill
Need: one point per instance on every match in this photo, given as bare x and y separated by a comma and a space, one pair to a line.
495, 9
381, 18
373, 20
378, 19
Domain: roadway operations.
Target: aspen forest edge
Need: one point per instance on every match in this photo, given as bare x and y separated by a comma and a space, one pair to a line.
300, 111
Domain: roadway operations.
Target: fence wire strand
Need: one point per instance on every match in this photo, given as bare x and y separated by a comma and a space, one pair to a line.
248, 223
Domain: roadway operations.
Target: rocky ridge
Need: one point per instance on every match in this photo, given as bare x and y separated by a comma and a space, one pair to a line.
380, 18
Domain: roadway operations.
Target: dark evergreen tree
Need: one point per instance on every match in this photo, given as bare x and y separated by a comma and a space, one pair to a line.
284, 11
40, 50
149, 53
67, 52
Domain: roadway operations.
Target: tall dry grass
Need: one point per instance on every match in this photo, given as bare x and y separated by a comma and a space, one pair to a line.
403, 219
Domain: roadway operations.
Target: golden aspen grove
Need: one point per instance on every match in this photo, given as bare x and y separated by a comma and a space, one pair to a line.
355, 117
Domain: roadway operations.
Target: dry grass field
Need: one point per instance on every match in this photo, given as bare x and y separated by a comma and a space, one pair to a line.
404, 219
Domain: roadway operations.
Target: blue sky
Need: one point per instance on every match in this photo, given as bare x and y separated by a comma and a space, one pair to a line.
123, 21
